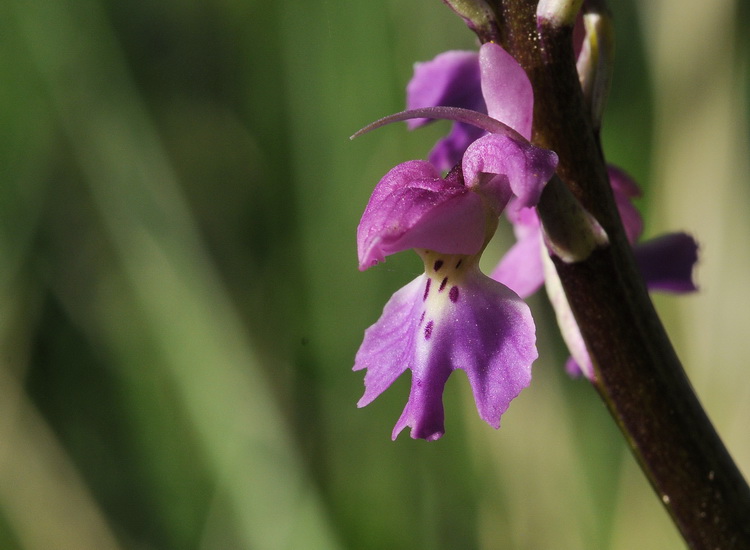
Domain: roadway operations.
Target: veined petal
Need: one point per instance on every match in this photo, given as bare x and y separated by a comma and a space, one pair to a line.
667, 262
506, 89
494, 341
525, 168
453, 317
413, 207
388, 347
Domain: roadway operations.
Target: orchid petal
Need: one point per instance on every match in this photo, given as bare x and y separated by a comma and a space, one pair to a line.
451, 79
494, 342
449, 150
506, 89
413, 207
447, 320
388, 347
525, 168
520, 269
666, 263
624, 189
622, 182
573, 368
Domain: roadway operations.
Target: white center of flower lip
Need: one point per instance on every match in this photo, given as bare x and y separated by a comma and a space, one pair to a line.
442, 286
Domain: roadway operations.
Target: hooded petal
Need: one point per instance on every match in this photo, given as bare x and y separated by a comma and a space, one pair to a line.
451, 318
666, 263
413, 207
523, 167
506, 89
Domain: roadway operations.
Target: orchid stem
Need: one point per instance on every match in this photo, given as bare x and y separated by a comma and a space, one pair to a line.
638, 374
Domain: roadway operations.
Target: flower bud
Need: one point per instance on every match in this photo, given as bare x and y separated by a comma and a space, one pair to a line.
478, 16
558, 12
595, 63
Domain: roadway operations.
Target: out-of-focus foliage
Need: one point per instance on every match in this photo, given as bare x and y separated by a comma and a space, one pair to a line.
180, 303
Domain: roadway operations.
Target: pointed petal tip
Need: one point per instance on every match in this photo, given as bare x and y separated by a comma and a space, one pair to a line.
396, 431
506, 88
414, 434
364, 266
432, 437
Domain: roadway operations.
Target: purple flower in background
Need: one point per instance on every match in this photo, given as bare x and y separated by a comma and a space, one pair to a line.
451, 79
453, 316
666, 263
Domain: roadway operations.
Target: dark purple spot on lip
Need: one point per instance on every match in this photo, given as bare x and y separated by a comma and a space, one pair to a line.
459, 263
421, 319
442, 284
453, 295
428, 330
438, 265
427, 289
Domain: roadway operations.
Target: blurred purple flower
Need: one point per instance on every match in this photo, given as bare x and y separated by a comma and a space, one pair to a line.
666, 263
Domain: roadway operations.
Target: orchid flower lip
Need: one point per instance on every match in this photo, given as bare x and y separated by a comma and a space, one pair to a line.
457, 114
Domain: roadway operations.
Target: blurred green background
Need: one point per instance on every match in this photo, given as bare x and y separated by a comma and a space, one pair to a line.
180, 303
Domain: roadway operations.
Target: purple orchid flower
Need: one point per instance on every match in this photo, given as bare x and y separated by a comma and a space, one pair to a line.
490, 81
453, 316
458, 79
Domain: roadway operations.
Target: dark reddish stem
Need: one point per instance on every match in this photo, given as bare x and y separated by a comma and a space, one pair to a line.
638, 373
